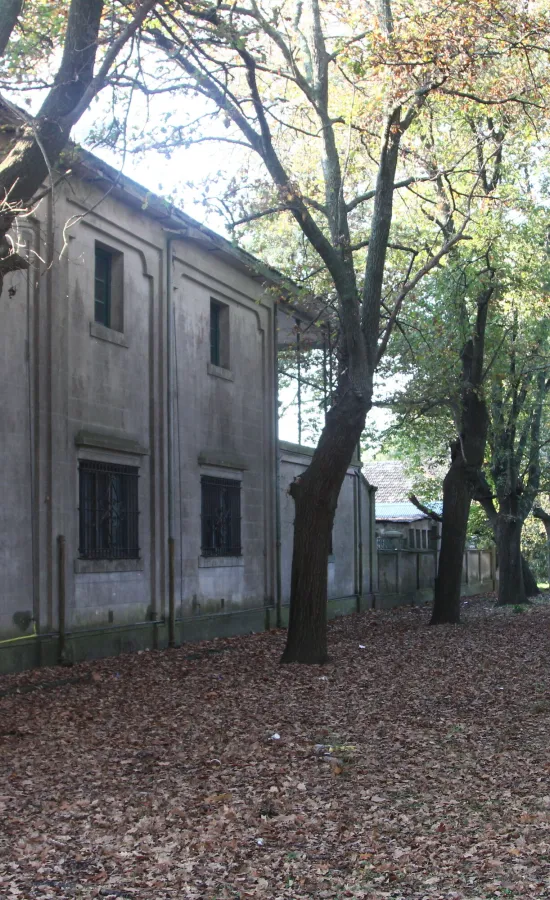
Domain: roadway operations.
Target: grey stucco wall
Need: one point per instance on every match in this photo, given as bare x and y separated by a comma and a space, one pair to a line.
352, 538
224, 426
63, 375
16, 417
408, 576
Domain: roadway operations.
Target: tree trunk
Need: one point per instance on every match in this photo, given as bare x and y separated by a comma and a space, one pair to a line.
467, 454
457, 495
540, 513
315, 495
458, 489
10, 10
529, 580
41, 139
511, 589
484, 496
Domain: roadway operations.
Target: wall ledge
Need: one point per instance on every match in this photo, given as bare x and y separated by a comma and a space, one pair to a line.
110, 440
102, 333
96, 566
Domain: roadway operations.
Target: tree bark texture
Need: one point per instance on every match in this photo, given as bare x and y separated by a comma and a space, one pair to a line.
467, 455
41, 140
10, 11
457, 496
511, 588
485, 499
529, 581
541, 514
316, 496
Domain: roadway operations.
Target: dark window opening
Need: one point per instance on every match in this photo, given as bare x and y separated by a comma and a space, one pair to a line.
411, 538
108, 511
424, 539
215, 315
219, 334
221, 516
418, 538
103, 286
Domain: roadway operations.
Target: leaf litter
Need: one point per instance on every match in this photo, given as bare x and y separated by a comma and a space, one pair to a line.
417, 768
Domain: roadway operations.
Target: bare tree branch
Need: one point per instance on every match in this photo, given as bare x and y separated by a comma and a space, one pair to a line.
425, 509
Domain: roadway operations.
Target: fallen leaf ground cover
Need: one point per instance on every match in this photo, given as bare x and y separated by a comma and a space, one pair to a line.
414, 765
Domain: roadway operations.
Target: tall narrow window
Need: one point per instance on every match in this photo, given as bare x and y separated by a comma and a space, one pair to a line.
214, 333
219, 334
411, 538
108, 511
221, 516
103, 286
108, 287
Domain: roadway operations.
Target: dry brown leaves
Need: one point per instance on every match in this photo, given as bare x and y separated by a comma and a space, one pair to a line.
417, 767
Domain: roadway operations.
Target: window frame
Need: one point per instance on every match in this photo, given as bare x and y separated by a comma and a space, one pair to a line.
229, 544
102, 255
95, 531
111, 317
219, 356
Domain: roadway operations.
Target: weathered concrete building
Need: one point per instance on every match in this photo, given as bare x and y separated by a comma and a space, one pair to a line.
353, 561
141, 475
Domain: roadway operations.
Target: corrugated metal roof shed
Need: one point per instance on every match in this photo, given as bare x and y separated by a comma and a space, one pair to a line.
404, 511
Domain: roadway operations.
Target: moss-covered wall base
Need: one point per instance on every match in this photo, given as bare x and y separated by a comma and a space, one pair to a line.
16, 656
32, 652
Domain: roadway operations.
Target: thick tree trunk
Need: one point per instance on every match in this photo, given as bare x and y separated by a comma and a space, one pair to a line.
457, 496
511, 589
316, 495
484, 496
10, 10
540, 513
467, 454
459, 486
529, 580
41, 140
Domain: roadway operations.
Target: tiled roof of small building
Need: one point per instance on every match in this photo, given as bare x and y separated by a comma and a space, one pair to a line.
389, 477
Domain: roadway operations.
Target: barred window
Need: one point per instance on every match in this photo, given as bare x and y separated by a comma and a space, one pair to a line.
108, 511
221, 516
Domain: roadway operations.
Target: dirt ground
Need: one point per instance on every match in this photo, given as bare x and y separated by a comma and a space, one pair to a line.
415, 765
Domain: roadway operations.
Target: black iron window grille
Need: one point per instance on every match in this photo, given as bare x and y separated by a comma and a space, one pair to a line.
221, 516
108, 511
390, 542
